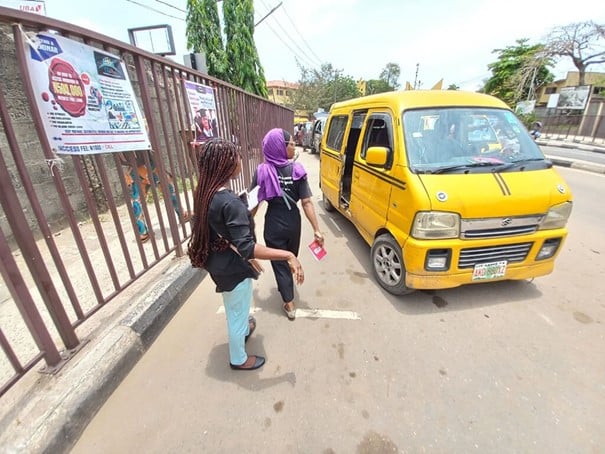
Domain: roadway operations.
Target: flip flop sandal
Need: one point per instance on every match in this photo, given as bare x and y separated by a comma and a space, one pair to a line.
252, 325
144, 237
291, 314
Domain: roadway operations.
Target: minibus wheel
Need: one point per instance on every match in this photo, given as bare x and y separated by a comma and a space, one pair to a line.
388, 266
327, 204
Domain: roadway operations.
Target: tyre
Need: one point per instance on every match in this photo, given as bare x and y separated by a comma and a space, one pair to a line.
327, 204
388, 266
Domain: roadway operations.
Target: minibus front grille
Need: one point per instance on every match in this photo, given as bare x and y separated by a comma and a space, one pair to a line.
473, 229
510, 252
505, 231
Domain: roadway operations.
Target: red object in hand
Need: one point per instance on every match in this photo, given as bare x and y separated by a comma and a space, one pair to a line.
317, 250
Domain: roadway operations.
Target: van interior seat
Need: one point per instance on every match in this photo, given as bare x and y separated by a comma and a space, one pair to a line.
381, 139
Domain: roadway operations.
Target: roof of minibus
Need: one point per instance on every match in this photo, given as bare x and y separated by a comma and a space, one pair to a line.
412, 99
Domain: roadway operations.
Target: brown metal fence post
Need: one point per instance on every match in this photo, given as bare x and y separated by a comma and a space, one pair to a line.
26, 241
142, 76
24, 302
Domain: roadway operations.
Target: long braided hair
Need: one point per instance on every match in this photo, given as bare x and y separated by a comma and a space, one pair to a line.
216, 164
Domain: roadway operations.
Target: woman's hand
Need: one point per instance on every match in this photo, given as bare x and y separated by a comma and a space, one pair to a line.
318, 237
296, 268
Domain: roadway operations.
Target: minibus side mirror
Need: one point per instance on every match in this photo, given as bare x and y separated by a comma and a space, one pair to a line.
377, 156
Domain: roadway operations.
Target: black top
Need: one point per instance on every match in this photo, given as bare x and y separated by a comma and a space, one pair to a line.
229, 217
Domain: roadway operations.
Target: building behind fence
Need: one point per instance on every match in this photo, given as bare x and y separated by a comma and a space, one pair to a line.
54, 275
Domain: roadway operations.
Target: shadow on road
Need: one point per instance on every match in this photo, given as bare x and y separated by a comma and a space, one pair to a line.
218, 369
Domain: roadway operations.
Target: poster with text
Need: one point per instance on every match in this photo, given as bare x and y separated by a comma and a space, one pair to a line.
84, 96
573, 97
203, 111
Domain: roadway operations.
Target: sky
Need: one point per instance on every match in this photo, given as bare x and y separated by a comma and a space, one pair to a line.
451, 40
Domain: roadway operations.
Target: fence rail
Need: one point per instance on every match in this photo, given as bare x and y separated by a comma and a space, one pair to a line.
69, 240
588, 128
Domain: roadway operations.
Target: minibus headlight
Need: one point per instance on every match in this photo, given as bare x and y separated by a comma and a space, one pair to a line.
557, 216
429, 225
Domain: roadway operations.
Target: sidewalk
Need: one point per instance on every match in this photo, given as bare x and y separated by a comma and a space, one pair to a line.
575, 145
52, 413
52, 410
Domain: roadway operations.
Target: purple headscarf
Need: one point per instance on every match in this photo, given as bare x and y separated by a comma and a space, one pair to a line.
274, 150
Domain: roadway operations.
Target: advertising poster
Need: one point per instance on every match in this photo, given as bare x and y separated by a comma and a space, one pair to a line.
573, 97
525, 107
84, 97
203, 110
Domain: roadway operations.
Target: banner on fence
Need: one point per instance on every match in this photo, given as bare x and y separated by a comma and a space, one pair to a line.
84, 97
203, 110
525, 107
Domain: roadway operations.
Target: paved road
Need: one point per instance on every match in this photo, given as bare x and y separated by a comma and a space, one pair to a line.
510, 366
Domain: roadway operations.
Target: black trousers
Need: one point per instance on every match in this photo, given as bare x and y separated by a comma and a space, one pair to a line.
282, 231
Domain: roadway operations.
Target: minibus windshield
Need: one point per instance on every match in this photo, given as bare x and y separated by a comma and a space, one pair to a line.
468, 139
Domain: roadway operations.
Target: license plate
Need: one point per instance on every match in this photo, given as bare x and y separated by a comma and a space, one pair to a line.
490, 270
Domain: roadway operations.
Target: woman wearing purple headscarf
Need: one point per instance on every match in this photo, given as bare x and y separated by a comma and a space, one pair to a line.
282, 183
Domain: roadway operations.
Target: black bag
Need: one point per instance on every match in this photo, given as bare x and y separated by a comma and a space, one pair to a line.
222, 243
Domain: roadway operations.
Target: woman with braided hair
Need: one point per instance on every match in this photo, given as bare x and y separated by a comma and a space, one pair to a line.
222, 241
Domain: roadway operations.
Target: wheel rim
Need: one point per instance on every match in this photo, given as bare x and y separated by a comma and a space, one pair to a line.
387, 265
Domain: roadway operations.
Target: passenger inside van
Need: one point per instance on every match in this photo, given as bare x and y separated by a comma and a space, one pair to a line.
443, 143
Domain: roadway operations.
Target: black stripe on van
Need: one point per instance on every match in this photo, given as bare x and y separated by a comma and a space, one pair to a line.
500, 180
389, 179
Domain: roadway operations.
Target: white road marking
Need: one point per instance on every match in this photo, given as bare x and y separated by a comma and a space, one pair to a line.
546, 319
311, 313
326, 313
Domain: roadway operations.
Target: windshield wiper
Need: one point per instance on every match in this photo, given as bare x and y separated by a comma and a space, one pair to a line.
462, 166
520, 163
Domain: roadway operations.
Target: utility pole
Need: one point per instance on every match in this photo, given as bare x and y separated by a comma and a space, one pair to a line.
268, 14
531, 91
416, 81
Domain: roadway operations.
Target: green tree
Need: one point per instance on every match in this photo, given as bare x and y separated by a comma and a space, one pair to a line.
244, 68
582, 42
387, 81
519, 71
453, 87
204, 35
320, 88
390, 74
374, 86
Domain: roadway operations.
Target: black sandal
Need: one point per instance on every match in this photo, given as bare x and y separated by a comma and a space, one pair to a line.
258, 362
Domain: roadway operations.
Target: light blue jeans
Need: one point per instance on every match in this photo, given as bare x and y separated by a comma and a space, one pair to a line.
237, 308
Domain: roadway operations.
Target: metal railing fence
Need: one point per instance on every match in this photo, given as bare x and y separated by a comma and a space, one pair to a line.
587, 127
69, 241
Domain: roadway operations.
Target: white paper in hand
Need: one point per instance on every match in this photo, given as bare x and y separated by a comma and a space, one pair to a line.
253, 198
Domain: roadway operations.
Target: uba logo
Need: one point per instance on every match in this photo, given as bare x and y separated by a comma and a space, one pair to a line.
36, 9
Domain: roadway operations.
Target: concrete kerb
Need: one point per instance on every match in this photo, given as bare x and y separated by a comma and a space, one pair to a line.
575, 145
52, 420
571, 162
575, 164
